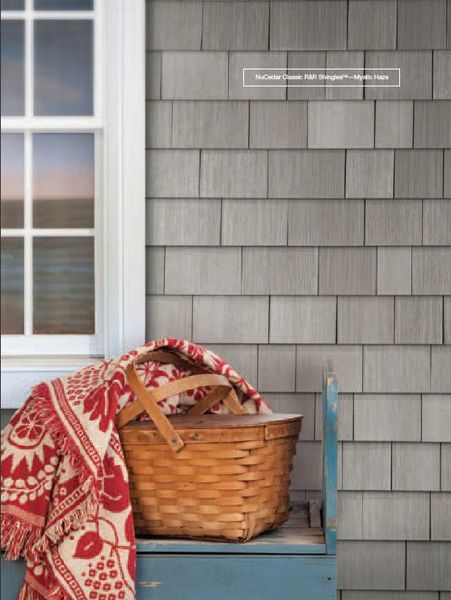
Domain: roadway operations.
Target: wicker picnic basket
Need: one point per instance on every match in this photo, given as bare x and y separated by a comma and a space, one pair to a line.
223, 476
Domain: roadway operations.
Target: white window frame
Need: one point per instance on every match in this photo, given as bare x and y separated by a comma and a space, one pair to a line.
119, 126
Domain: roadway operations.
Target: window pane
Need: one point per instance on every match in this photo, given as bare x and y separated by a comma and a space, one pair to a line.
12, 4
63, 66
12, 66
63, 285
63, 180
12, 286
12, 179
63, 4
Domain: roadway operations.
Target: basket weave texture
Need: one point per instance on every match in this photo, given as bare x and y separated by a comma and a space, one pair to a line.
207, 476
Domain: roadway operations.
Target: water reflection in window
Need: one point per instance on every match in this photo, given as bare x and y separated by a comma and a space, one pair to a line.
63, 68
63, 180
12, 4
63, 4
12, 68
63, 286
12, 160
12, 282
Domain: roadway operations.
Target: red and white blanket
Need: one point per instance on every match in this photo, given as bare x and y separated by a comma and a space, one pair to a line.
64, 493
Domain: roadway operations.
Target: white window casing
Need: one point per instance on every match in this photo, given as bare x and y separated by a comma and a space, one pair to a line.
118, 124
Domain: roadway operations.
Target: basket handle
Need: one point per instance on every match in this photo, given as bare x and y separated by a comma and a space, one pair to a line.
148, 400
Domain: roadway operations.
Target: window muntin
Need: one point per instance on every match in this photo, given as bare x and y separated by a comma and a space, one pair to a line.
51, 159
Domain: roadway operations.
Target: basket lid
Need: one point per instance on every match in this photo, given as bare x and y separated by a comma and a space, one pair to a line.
213, 421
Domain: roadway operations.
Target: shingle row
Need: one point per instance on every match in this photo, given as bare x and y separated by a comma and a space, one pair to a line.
297, 24
298, 174
207, 75
262, 222
298, 124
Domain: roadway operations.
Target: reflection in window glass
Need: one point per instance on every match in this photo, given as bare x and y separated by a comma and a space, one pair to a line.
12, 179
63, 180
63, 285
63, 4
12, 4
12, 285
63, 68
12, 68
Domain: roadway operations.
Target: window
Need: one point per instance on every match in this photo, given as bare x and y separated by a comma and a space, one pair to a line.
72, 148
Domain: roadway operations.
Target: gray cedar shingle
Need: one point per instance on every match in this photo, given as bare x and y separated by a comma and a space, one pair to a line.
158, 124
446, 467
370, 565
306, 473
366, 466
418, 173
436, 418
303, 404
448, 41
440, 512
304, 25
431, 270
387, 417
394, 124
447, 319
395, 516
242, 357
432, 125
183, 222
155, 270
369, 173
326, 222
280, 270
233, 174
240, 60
416, 75
437, 222
153, 75
442, 73
207, 124
421, 25
230, 319
343, 60
169, 316
416, 467
303, 320
172, 173
347, 271
276, 368
441, 371
447, 178
203, 271
418, 320
393, 222
394, 266
428, 566
346, 360
235, 26
365, 320
306, 173
357, 595
349, 509
194, 75
254, 222
306, 60
341, 124
173, 25
278, 124
396, 369
372, 25
345, 417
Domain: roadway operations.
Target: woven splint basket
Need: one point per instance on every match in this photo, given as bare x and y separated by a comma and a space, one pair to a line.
205, 476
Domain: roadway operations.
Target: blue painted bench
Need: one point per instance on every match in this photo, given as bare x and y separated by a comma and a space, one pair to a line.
296, 561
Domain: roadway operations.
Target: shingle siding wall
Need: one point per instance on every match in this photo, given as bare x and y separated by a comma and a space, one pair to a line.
288, 227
